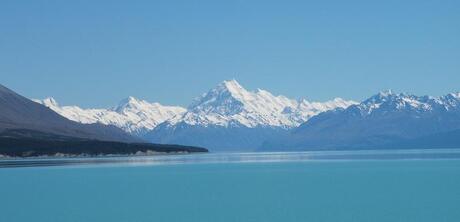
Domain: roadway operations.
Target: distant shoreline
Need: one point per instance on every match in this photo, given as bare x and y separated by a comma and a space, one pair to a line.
32, 147
149, 153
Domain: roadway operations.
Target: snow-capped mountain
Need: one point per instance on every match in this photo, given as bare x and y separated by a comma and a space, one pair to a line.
21, 117
388, 101
134, 116
231, 104
226, 117
385, 119
229, 117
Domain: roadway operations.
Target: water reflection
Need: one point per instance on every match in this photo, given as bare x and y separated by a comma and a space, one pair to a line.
257, 157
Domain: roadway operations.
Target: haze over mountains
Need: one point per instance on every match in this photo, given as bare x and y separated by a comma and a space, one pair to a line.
230, 118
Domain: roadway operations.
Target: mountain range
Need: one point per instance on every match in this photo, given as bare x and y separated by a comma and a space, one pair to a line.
20, 113
230, 118
132, 115
385, 120
227, 117
28, 128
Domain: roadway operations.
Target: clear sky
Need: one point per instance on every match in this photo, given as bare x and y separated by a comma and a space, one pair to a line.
95, 53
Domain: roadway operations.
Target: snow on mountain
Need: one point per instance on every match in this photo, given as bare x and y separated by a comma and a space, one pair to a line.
227, 117
132, 115
229, 104
388, 101
386, 119
231, 118
23, 118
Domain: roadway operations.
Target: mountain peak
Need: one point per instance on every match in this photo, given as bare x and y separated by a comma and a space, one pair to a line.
230, 103
380, 97
129, 102
385, 93
456, 95
19, 112
50, 101
132, 115
231, 82
389, 102
226, 92
129, 99
231, 86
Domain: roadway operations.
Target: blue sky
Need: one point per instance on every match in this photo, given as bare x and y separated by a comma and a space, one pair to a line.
94, 53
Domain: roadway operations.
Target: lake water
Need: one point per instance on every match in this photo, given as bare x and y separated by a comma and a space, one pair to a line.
416, 185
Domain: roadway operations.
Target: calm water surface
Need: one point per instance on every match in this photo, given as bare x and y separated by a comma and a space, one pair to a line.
314, 186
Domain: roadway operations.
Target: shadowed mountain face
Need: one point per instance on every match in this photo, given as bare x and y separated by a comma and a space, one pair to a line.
385, 120
18, 112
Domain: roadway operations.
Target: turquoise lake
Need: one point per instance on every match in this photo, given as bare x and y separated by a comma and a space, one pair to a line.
318, 186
